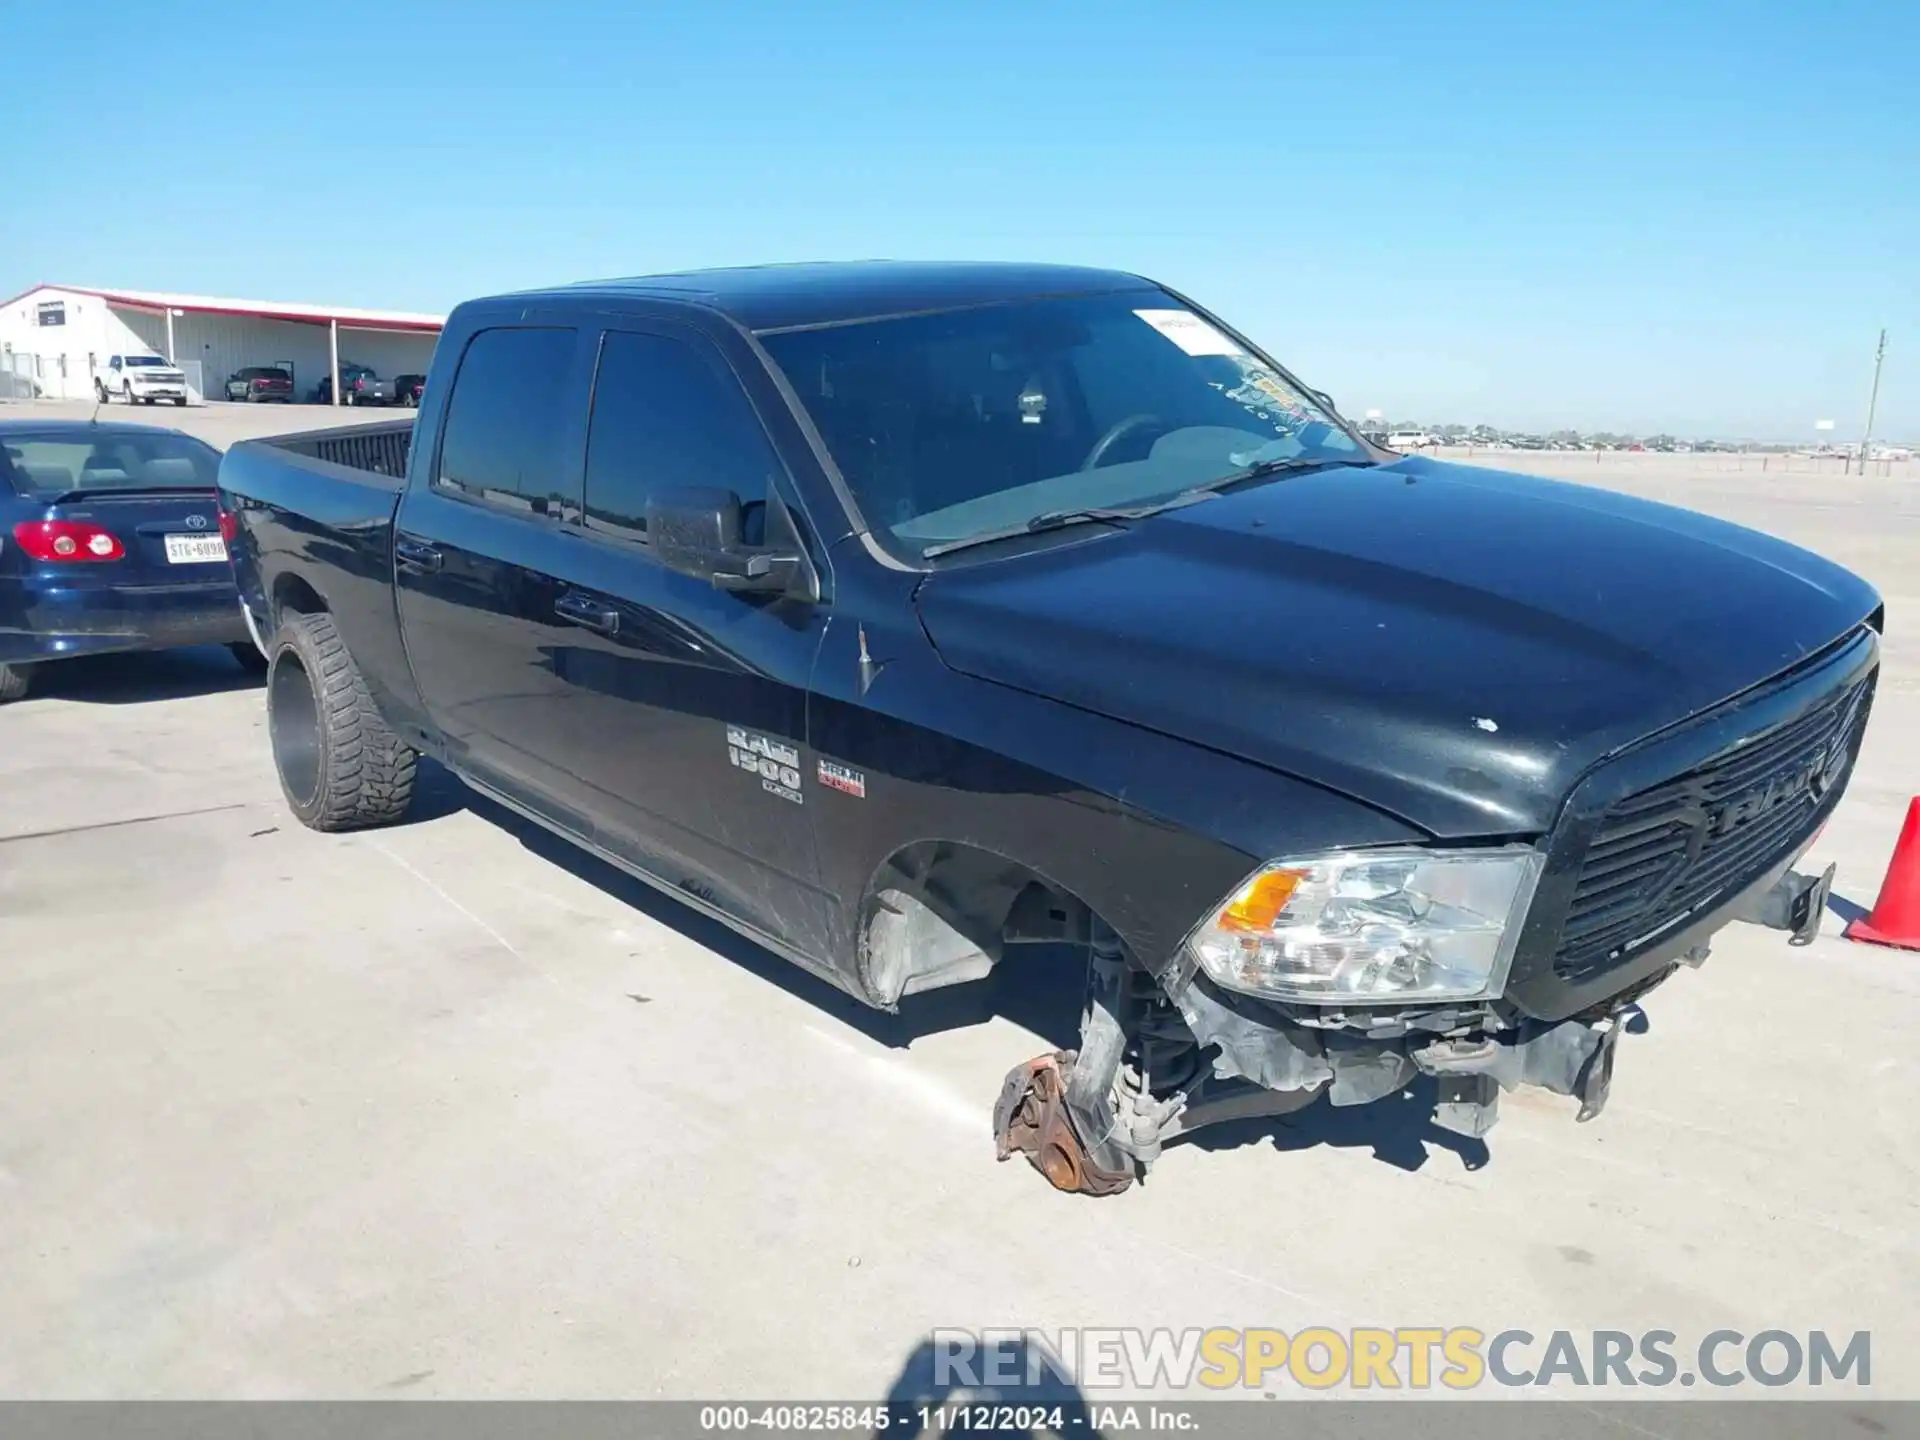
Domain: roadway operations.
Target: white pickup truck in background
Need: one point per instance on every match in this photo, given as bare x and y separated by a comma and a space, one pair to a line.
141, 378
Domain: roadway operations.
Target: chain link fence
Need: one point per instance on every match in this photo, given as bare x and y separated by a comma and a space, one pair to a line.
21, 378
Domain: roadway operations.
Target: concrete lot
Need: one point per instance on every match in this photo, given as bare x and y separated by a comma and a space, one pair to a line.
452, 1110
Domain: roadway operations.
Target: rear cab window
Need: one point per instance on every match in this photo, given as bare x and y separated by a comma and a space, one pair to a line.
507, 416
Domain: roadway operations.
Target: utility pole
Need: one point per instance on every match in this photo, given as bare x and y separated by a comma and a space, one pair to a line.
1873, 402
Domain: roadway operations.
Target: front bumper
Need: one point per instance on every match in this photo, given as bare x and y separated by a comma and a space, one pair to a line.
160, 392
1472, 1052
1763, 773
58, 624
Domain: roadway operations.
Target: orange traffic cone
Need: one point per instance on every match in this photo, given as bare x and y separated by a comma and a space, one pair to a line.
1896, 914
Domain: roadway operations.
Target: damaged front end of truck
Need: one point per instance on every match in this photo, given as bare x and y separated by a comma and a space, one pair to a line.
1350, 974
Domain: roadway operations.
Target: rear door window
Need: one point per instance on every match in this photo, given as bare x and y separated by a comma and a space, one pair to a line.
667, 415
507, 420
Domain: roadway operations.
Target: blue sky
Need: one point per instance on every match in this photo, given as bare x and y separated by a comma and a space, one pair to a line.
1690, 216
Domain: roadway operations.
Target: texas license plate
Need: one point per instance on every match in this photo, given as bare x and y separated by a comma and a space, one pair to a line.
195, 549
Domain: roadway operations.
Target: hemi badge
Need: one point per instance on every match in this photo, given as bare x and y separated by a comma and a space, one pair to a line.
844, 779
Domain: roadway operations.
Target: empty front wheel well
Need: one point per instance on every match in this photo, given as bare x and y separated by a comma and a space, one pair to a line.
941, 912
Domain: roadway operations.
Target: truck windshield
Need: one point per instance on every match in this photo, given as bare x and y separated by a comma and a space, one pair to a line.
972, 422
145, 360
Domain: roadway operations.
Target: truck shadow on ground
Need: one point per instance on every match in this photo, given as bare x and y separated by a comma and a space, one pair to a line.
1847, 910
1038, 988
1399, 1130
135, 678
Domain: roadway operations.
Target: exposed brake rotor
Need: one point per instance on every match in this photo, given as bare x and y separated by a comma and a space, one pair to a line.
1032, 1118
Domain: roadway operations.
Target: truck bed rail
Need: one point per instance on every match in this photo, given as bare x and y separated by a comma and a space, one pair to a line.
380, 448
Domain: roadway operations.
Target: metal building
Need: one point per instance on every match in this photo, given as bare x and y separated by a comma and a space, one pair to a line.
54, 339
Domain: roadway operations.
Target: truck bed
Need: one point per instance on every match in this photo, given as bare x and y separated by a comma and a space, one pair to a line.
379, 449
314, 530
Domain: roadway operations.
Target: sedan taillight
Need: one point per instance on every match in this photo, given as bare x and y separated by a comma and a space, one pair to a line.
67, 540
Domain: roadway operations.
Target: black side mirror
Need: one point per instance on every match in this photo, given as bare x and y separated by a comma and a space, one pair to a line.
697, 531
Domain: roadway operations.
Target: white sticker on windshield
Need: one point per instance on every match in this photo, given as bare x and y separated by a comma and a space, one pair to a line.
1189, 332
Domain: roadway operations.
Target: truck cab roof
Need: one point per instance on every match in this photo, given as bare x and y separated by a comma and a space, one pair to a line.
765, 298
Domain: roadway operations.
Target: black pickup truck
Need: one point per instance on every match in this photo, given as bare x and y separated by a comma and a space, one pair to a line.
896, 614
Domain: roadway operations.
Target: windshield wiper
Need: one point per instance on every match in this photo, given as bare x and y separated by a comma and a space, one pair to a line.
1060, 519
1206, 490
1263, 469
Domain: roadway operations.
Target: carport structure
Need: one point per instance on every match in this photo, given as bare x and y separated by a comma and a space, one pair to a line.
220, 335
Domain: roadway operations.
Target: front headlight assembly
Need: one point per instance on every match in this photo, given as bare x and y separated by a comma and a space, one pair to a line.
1361, 926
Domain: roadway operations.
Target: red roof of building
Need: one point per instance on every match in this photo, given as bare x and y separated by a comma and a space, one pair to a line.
348, 317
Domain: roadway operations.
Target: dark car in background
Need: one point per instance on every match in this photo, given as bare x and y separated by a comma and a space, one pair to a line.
410, 388
110, 540
359, 385
258, 383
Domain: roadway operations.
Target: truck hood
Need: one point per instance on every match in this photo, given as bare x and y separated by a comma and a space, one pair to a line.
1454, 645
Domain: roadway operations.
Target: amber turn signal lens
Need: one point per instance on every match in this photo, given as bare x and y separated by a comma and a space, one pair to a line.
1259, 905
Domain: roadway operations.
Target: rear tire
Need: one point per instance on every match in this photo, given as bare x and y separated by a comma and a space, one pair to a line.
341, 766
13, 682
181, 402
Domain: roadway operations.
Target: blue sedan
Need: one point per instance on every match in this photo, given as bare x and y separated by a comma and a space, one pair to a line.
111, 539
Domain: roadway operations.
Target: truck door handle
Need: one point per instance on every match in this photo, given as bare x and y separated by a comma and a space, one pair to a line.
585, 610
417, 555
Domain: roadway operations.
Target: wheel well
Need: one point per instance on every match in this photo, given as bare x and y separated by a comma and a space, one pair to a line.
941, 912
294, 596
